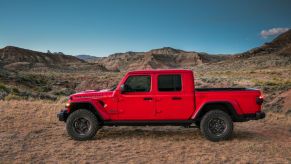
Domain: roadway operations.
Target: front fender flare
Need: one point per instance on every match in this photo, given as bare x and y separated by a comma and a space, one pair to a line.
97, 108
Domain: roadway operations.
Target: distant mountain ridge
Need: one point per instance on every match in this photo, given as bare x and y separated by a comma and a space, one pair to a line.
277, 52
12, 54
162, 58
87, 57
15, 58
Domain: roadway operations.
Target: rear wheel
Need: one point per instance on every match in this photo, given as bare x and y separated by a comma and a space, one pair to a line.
82, 125
216, 125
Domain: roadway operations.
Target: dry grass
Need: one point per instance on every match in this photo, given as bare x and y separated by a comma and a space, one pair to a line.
30, 132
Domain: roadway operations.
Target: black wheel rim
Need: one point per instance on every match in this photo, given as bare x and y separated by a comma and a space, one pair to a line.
217, 126
81, 126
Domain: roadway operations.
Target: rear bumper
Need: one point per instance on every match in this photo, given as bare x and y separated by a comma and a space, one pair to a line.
63, 115
260, 115
248, 117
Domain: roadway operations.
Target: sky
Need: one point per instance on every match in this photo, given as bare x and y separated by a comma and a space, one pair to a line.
104, 27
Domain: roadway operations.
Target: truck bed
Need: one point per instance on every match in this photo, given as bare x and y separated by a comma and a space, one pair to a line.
243, 99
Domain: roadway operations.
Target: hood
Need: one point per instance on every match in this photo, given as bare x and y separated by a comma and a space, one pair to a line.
92, 94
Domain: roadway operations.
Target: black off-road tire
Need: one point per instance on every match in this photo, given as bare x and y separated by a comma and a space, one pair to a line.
212, 130
89, 117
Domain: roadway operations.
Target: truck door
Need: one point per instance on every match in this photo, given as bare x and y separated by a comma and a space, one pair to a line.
136, 102
173, 102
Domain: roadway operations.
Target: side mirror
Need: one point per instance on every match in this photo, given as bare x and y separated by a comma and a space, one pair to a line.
122, 88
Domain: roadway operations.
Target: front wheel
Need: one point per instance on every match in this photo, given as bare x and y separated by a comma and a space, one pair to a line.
216, 125
82, 125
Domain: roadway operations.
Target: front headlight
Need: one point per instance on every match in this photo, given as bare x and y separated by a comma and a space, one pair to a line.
67, 105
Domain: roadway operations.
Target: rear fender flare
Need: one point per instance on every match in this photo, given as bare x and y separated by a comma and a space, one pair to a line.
233, 107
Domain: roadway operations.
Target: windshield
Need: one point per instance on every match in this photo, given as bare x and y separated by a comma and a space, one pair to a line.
113, 87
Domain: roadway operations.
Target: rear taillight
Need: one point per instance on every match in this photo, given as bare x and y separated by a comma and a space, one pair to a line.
260, 100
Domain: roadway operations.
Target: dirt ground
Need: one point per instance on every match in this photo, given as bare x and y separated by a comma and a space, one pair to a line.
30, 132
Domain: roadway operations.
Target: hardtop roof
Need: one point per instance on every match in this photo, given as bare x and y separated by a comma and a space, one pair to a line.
160, 71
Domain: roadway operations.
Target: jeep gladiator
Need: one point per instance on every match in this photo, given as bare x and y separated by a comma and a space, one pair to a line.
161, 97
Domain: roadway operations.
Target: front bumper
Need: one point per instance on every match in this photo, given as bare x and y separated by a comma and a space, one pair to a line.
63, 115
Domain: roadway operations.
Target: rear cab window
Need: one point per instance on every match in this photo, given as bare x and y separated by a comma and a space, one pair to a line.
169, 83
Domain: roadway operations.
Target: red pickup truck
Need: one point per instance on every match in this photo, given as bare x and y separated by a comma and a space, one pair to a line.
161, 97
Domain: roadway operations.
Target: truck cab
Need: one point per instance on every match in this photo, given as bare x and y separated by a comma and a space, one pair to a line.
161, 97
153, 95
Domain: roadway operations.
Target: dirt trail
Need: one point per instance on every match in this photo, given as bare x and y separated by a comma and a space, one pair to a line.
29, 131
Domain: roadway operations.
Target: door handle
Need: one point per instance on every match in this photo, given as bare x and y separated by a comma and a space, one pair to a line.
176, 98
148, 98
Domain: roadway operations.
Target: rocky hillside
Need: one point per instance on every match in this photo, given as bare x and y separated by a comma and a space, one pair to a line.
279, 46
31, 74
162, 58
18, 58
276, 53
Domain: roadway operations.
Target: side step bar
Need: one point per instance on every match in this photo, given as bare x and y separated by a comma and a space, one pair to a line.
151, 123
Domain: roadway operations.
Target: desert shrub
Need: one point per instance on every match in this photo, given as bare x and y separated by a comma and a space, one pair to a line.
270, 83
12, 97
3, 88
15, 91
273, 82
3, 94
46, 97
64, 92
31, 80
4, 91
44, 89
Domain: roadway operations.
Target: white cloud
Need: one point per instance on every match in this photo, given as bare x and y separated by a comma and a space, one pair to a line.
273, 31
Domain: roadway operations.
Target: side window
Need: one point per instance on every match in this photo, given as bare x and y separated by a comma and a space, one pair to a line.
167, 83
138, 84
